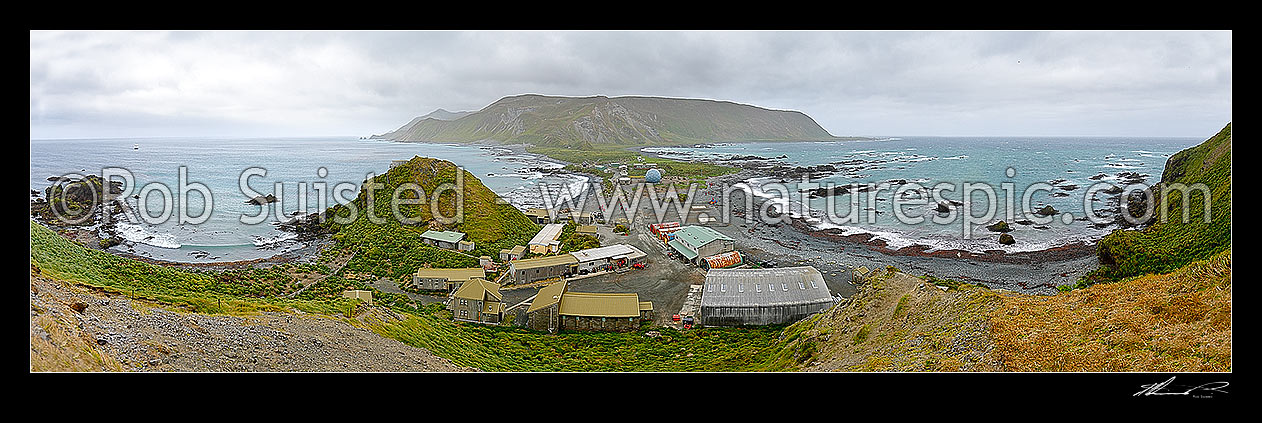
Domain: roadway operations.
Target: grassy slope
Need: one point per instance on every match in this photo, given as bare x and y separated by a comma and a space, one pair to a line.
1179, 321
484, 347
389, 248
495, 348
63, 346
57, 257
1166, 246
897, 322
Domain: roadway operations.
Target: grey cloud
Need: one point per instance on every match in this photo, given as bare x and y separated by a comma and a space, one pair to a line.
866, 83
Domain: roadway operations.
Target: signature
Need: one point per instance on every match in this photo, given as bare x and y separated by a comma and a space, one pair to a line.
1206, 389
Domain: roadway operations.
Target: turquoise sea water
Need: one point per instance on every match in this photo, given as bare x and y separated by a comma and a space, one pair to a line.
219, 164
927, 161
1064, 162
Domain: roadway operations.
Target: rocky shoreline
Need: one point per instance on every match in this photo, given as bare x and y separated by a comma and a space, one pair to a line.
307, 253
756, 167
97, 209
1063, 252
796, 243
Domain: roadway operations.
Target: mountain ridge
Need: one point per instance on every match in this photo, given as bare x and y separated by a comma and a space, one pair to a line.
584, 122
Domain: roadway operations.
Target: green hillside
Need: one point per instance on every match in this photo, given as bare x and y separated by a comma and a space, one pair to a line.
1170, 242
583, 122
392, 247
489, 348
227, 292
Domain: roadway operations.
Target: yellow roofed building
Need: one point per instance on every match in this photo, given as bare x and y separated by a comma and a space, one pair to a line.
477, 300
556, 308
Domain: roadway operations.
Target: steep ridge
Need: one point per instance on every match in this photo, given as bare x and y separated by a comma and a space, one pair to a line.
579, 122
1170, 241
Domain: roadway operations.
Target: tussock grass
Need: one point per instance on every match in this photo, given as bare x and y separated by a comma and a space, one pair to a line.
206, 293
1171, 242
1179, 321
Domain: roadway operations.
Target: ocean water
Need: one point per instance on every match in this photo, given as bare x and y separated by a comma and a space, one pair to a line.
219, 163
929, 161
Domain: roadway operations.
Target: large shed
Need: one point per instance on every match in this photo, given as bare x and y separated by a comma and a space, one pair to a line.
695, 242
608, 257
537, 269
545, 241
734, 297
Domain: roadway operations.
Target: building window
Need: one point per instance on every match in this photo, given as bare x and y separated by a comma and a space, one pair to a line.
464, 302
464, 313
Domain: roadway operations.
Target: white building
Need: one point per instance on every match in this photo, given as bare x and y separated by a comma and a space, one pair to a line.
545, 242
615, 256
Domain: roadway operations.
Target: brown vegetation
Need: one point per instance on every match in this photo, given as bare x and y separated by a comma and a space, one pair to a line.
1179, 321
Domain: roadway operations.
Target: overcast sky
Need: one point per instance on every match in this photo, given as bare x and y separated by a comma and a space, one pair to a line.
235, 83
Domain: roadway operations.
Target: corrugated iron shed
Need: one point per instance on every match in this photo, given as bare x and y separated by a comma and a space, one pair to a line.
608, 252
697, 236
764, 287
548, 234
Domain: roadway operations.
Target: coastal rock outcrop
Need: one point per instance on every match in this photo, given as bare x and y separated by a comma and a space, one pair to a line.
825, 192
1000, 226
70, 201
750, 157
1007, 239
261, 200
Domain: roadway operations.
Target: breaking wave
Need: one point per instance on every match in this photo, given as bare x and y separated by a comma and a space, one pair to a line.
140, 235
263, 241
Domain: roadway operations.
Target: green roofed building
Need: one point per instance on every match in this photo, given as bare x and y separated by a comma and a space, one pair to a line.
443, 239
692, 242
